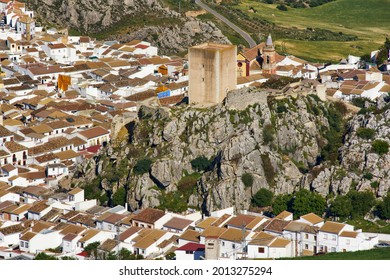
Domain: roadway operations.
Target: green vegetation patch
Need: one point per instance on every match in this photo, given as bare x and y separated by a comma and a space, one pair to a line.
374, 254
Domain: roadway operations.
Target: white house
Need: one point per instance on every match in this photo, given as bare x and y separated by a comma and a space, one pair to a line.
190, 252
147, 245
264, 245
95, 136
35, 242
10, 235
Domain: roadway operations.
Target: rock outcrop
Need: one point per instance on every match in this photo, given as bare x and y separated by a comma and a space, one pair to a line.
128, 20
279, 142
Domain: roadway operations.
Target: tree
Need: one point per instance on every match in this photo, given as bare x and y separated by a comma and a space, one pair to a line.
200, 163
281, 203
91, 248
365, 133
380, 147
384, 208
247, 179
142, 166
341, 207
361, 202
119, 197
306, 201
44, 256
262, 198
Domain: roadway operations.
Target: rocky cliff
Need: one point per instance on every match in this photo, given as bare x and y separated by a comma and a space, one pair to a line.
284, 144
127, 20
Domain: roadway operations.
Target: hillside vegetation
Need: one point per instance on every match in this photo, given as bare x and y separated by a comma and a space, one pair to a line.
368, 20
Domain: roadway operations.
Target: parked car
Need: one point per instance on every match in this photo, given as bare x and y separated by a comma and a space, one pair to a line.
382, 245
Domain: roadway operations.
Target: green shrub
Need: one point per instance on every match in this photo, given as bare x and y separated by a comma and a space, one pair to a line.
384, 208
247, 179
187, 184
281, 7
361, 202
142, 166
375, 185
119, 197
380, 147
200, 163
365, 133
268, 134
269, 171
360, 101
262, 198
341, 207
281, 109
368, 176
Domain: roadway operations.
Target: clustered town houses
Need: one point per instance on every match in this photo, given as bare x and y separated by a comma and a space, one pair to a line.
60, 98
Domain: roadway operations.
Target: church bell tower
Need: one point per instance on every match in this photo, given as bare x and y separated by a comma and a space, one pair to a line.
269, 56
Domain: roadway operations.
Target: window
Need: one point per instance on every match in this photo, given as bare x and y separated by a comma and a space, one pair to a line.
26, 244
210, 244
189, 252
223, 243
333, 237
233, 246
306, 236
306, 246
21, 243
261, 250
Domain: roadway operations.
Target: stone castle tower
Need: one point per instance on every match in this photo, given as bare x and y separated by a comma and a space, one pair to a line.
269, 55
212, 72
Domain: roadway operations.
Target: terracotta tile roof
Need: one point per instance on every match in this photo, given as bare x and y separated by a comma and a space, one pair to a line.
4, 132
240, 220
83, 219
21, 209
332, 227
8, 167
28, 236
191, 247
262, 238
51, 145
233, 235
88, 235
172, 240
255, 222
190, 235
114, 218
213, 231
39, 207
34, 175
149, 239
141, 234
14, 147
69, 154
38, 226
108, 245
280, 242
221, 220
312, 218
350, 234
172, 100
206, 222
149, 215
295, 226
12, 229
72, 229
70, 215
276, 225
94, 132
177, 223
75, 191
128, 233
283, 215
70, 237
